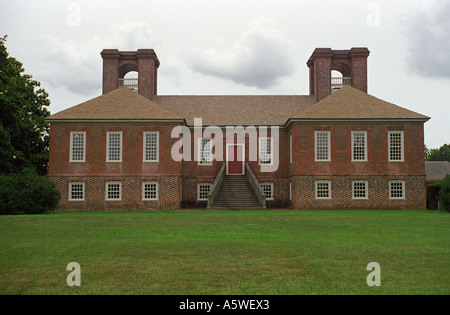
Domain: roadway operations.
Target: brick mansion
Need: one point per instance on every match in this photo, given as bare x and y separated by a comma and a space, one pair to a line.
336, 148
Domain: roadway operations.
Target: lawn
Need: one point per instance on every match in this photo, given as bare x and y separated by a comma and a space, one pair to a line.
226, 252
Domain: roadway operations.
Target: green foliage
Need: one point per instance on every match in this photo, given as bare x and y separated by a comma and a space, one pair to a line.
24, 133
444, 193
441, 154
27, 193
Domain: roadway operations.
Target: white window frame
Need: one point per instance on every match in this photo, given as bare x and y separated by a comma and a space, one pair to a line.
357, 190
402, 146
290, 149
201, 151
403, 189
72, 135
83, 191
290, 190
144, 184
199, 190
107, 186
316, 189
354, 134
328, 146
262, 151
146, 146
108, 148
269, 196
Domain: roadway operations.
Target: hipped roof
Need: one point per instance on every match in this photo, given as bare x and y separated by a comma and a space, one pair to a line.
350, 103
231, 110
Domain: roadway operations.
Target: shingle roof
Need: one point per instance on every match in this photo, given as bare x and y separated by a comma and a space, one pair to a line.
231, 110
436, 170
350, 103
120, 104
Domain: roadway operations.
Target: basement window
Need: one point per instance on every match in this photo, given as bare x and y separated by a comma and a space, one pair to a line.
150, 191
113, 191
360, 189
203, 191
76, 191
397, 189
323, 189
267, 189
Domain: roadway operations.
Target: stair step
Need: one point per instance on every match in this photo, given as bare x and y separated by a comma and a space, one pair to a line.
236, 193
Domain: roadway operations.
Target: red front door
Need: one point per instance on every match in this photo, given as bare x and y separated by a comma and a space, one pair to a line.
235, 160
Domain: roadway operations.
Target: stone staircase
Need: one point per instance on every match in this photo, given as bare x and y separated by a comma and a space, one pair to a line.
236, 193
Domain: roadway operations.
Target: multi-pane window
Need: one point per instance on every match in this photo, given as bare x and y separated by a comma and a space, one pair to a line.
205, 151
113, 191
323, 189
78, 146
397, 189
290, 149
114, 146
150, 191
395, 145
267, 189
322, 145
151, 146
76, 191
360, 189
265, 151
359, 145
203, 191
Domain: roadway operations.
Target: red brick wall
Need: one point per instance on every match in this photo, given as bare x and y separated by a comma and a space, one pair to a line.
132, 171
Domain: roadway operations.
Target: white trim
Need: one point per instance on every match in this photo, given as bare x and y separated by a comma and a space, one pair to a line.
316, 132
243, 157
290, 190
272, 192
259, 151
83, 191
402, 140
403, 189
366, 189
157, 191
144, 142
353, 145
290, 149
106, 191
200, 150
316, 183
108, 134
198, 191
72, 133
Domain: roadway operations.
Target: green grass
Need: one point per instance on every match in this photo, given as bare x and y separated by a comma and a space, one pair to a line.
226, 252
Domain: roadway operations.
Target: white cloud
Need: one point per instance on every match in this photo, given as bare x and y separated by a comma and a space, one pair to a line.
260, 57
429, 43
77, 66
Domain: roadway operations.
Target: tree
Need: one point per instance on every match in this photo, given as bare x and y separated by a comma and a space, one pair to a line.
24, 133
444, 193
441, 154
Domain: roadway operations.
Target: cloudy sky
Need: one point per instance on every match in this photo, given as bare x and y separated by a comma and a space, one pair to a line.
248, 47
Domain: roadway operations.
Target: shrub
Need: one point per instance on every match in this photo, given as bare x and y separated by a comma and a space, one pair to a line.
27, 193
444, 194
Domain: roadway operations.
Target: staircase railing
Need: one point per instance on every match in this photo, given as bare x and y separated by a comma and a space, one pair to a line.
255, 185
216, 186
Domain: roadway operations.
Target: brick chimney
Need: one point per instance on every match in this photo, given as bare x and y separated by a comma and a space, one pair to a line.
116, 64
352, 64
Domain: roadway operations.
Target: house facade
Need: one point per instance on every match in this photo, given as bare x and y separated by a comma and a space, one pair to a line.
337, 148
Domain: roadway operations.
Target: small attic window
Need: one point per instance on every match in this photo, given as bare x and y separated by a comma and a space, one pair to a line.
131, 81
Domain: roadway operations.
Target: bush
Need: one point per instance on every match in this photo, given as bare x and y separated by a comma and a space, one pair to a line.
444, 194
27, 193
